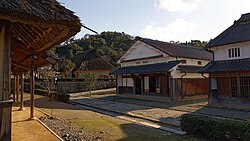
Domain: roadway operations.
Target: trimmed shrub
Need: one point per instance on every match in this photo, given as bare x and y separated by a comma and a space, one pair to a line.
64, 97
215, 128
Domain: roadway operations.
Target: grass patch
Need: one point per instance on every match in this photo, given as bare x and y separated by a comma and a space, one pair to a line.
112, 129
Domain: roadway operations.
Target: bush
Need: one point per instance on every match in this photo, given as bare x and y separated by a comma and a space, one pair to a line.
41, 92
64, 97
215, 128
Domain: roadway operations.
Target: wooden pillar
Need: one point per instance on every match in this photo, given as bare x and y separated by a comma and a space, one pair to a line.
17, 87
142, 84
21, 94
32, 82
5, 64
14, 88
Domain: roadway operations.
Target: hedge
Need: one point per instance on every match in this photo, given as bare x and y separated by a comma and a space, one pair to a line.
215, 128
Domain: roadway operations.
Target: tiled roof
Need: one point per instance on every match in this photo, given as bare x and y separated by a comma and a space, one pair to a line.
189, 68
151, 68
227, 66
90, 60
179, 50
238, 32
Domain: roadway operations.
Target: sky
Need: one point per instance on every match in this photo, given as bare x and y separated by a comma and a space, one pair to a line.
165, 20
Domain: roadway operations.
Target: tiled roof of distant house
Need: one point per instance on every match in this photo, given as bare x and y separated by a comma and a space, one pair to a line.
238, 32
227, 66
179, 50
155, 68
90, 60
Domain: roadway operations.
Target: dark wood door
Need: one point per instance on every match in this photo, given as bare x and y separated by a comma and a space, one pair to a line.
137, 85
152, 84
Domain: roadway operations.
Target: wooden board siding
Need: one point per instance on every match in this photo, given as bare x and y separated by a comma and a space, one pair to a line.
194, 86
223, 87
164, 85
234, 87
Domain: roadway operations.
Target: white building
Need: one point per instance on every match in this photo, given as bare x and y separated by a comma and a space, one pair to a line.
230, 69
152, 67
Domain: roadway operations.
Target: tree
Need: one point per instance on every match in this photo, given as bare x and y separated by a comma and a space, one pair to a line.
89, 82
110, 45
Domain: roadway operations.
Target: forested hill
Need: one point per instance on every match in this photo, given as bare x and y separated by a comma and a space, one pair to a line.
110, 45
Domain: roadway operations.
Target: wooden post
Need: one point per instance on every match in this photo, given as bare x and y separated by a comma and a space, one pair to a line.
5, 64
17, 87
14, 88
22, 86
32, 103
142, 84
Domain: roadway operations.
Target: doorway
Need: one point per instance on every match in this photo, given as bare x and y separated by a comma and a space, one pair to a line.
137, 85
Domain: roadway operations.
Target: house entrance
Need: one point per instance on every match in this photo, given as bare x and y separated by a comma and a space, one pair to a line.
137, 85
152, 84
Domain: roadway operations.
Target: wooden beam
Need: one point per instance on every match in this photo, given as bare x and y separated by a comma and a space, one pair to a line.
20, 66
63, 32
24, 59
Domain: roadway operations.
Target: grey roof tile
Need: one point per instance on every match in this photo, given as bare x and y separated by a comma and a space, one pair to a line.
150, 68
227, 66
238, 32
179, 50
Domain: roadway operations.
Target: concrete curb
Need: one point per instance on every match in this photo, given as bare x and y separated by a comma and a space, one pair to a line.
51, 131
128, 114
108, 112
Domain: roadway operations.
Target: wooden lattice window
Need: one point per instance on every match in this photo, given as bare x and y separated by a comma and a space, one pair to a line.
245, 87
233, 86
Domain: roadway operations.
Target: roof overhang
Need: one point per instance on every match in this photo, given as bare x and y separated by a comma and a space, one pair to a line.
146, 69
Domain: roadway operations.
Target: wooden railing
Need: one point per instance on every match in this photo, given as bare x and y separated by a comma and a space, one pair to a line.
5, 120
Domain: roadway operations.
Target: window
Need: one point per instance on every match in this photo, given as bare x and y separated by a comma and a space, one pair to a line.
245, 87
144, 62
234, 86
234, 52
137, 62
199, 62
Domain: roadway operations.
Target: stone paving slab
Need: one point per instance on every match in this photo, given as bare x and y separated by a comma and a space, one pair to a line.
167, 113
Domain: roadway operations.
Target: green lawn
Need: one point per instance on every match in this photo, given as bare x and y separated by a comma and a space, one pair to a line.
109, 130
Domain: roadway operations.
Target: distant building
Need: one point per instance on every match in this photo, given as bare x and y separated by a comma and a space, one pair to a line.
91, 62
152, 67
229, 71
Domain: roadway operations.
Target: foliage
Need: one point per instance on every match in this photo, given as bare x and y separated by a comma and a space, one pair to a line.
215, 128
109, 45
89, 82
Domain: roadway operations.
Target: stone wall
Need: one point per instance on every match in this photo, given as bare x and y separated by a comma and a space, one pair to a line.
78, 86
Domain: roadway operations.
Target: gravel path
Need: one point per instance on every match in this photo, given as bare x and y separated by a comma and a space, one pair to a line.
65, 131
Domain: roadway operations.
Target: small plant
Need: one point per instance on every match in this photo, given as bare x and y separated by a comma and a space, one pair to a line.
90, 82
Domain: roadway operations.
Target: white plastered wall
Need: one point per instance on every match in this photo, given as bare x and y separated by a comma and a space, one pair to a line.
221, 52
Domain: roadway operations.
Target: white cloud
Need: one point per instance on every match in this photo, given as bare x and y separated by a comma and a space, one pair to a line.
178, 30
178, 5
